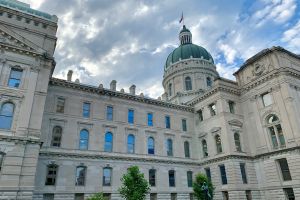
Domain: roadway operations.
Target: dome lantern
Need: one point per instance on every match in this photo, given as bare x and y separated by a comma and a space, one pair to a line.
185, 36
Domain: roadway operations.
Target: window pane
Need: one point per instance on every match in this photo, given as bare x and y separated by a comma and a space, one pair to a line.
109, 113
153, 196
79, 196
84, 138
152, 173
272, 119
218, 144
170, 89
131, 116
150, 145
208, 174
212, 108
189, 179
280, 135
237, 142
173, 196
184, 126
273, 137
130, 143
6, 115
289, 193
80, 176
172, 178
108, 142
285, 169
243, 173
267, 99
51, 175
56, 136
1, 160
248, 195
48, 196
200, 115
106, 176
208, 82
188, 83
86, 109
223, 174
231, 107
60, 107
150, 119
15, 78
167, 121
186, 149
204, 148
169, 147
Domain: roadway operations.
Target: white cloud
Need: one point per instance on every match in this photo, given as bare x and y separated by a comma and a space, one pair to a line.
292, 37
229, 53
226, 71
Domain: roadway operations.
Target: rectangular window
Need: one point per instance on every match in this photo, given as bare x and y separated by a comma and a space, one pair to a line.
60, 105
51, 175
285, 171
168, 122
152, 173
1, 160
231, 105
172, 178
184, 125
243, 173
80, 176
225, 195
173, 196
208, 174
107, 196
191, 196
212, 109
189, 175
130, 116
79, 196
86, 109
107, 176
200, 115
248, 195
48, 196
109, 113
153, 196
223, 174
289, 193
150, 119
15, 77
267, 99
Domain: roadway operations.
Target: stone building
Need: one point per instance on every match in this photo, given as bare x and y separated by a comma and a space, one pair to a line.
60, 139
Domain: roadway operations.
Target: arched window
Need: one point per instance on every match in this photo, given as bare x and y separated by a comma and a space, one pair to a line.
187, 149
188, 83
84, 139
275, 131
56, 136
237, 142
204, 148
208, 82
169, 147
150, 144
170, 89
218, 144
6, 115
1, 159
108, 146
130, 143
51, 174
80, 175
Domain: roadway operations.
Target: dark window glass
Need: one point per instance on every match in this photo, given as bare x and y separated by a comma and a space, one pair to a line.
248, 195
167, 121
285, 171
130, 143
108, 146
200, 115
1, 159
188, 83
79, 196
191, 196
51, 174
107, 176
208, 174
187, 149
60, 106
208, 82
152, 177
151, 145
172, 178
237, 142
225, 195
107, 196
56, 136
289, 193
86, 109
80, 176
223, 174
109, 113
212, 108
153, 196
243, 173
204, 148
170, 89
189, 175
218, 144
15, 77
275, 131
173, 196
150, 119
169, 147
48, 196
231, 105
131, 116
6, 115
84, 139
184, 125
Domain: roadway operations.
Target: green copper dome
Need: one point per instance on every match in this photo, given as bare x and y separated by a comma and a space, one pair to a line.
187, 51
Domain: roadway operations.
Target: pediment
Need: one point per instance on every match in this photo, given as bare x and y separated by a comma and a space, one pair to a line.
235, 122
10, 39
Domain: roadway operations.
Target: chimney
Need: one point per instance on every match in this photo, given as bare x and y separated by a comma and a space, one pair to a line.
132, 90
113, 85
69, 75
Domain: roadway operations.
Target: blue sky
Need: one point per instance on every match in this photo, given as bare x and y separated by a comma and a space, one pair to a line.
129, 41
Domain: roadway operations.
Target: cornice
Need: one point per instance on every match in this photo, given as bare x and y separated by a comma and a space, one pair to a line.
24, 140
102, 91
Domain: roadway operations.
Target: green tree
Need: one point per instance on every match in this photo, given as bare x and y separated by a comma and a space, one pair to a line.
97, 196
203, 188
134, 185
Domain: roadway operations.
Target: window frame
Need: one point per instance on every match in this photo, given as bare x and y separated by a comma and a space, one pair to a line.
84, 109
108, 145
208, 173
19, 81
265, 97
200, 115
7, 117
184, 125
223, 176
275, 132
82, 177
187, 151
237, 141
60, 108
218, 143
2, 156
189, 175
56, 135
168, 122
149, 149
284, 170
52, 176
152, 181
208, 81
109, 115
131, 147
172, 180
130, 116
213, 109
188, 83
288, 192
83, 139
169, 147
110, 176
150, 119
204, 148
231, 105
243, 171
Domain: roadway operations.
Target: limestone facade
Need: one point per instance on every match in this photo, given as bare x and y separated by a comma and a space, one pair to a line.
244, 134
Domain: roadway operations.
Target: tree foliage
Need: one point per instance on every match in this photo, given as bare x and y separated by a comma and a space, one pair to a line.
134, 185
198, 186
97, 196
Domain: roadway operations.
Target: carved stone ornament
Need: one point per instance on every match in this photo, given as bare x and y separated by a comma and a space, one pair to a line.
258, 69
